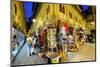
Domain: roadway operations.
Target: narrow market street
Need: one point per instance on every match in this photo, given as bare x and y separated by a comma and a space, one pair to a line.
48, 33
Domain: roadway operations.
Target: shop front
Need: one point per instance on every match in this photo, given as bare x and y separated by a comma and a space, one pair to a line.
18, 38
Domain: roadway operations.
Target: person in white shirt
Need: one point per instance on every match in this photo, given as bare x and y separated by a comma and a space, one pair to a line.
29, 42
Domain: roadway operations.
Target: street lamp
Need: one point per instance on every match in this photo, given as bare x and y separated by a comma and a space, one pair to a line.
34, 20
92, 23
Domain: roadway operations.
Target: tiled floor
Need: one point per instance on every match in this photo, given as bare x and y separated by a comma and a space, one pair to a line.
85, 53
23, 58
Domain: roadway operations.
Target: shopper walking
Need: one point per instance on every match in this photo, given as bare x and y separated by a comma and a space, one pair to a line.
29, 42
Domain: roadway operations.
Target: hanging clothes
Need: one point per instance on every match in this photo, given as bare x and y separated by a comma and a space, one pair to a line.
66, 27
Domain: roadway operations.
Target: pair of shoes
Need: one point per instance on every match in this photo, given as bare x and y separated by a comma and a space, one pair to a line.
30, 54
33, 53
